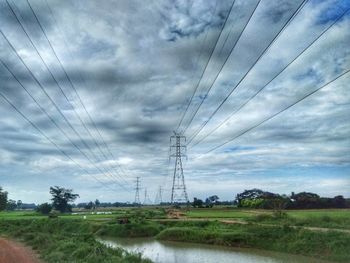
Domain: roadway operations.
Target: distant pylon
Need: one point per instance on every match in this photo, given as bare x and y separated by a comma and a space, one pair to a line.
137, 191
146, 200
159, 198
177, 151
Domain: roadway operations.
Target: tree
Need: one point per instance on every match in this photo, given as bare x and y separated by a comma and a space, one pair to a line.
197, 202
89, 205
249, 194
306, 200
211, 200
339, 202
11, 205
19, 204
44, 208
61, 198
3, 199
97, 203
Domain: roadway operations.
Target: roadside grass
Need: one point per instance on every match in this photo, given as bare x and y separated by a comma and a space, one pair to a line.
59, 240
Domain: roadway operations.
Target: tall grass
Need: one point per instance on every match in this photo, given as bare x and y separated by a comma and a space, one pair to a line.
324, 245
59, 240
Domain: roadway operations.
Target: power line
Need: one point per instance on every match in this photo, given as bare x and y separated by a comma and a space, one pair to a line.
279, 112
222, 66
78, 96
48, 115
264, 86
52, 142
43, 89
57, 83
206, 65
295, 13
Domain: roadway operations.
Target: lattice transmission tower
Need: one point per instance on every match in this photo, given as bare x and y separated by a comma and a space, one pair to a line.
137, 191
177, 151
146, 201
159, 199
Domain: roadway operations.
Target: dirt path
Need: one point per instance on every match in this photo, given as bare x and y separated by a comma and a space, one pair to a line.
13, 252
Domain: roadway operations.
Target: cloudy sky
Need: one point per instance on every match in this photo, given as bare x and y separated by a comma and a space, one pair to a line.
134, 66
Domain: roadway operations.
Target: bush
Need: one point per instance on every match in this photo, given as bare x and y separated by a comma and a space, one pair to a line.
54, 214
44, 208
148, 229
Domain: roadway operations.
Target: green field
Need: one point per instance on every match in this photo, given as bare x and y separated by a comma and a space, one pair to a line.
324, 218
219, 213
318, 233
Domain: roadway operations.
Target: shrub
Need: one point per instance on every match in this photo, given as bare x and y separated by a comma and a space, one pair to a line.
44, 208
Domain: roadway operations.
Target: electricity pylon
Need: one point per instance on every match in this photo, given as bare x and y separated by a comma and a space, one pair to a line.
159, 198
146, 201
137, 191
177, 151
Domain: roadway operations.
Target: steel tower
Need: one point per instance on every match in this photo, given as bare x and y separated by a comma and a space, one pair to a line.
177, 151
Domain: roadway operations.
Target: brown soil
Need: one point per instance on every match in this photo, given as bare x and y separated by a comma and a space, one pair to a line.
14, 252
175, 214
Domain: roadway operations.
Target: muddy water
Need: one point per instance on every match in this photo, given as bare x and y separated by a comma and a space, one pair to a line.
176, 252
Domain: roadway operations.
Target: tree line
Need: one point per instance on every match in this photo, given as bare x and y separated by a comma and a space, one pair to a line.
62, 200
256, 198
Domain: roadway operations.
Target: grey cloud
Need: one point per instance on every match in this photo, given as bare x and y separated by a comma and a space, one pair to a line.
136, 83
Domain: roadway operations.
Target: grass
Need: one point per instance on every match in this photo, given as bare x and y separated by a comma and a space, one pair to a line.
146, 229
60, 240
70, 239
15, 215
332, 219
216, 213
324, 218
329, 246
90, 215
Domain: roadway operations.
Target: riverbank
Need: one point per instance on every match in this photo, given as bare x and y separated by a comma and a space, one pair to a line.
71, 239
160, 251
59, 240
330, 245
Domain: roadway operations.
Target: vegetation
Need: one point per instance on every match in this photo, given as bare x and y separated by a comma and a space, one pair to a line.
256, 198
262, 229
60, 240
44, 208
61, 198
3, 199
71, 236
146, 229
326, 245
332, 219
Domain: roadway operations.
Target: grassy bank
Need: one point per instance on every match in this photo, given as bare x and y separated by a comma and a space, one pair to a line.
59, 240
142, 229
324, 245
336, 219
68, 239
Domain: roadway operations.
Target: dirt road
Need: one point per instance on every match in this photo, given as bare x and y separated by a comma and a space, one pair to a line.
13, 252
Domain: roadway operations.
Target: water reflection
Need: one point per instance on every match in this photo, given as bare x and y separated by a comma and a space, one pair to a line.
176, 252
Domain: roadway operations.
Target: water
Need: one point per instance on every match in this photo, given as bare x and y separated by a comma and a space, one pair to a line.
176, 252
